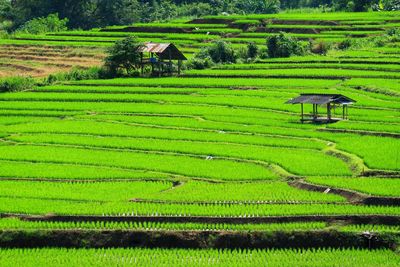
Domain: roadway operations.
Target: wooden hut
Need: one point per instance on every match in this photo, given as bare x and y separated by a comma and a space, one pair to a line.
331, 101
161, 57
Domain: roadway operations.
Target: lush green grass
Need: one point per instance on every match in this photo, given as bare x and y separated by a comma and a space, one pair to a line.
289, 158
247, 192
210, 82
41, 205
295, 73
192, 191
188, 165
373, 186
88, 147
336, 16
82, 191
36, 170
17, 224
377, 152
189, 257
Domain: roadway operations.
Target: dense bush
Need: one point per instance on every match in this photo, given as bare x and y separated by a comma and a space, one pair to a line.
77, 74
252, 50
282, 45
221, 52
259, 6
51, 23
320, 48
124, 56
16, 84
391, 5
199, 63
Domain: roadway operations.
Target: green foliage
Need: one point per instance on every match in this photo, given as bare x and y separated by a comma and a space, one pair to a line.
320, 48
258, 6
124, 55
199, 63
283, 45
390, 5
252, 50
198, 257
17, 224
16, 84
77, 74
196, 9
221, 52
51, 23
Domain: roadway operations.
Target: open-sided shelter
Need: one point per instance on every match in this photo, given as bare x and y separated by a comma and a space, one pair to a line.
161, 57
330, 100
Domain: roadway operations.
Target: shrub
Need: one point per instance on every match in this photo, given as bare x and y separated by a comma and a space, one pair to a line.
252, 50
345, 44
77, 74
221, 52
16, 84
320, 48
263, 53
124, 55
199, 63
282, 45
393, 31
391, 5
51, 23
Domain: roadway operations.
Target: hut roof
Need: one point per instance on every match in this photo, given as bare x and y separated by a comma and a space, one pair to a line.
164, 50
321, 99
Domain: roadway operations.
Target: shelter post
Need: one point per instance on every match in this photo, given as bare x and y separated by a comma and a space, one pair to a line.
302, 113
328, 111
343, 111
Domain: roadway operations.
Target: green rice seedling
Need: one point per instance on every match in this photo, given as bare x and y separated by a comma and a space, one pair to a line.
17, 224
36, 170
289, 158
368, 185
82, 191
191, 257
160, 162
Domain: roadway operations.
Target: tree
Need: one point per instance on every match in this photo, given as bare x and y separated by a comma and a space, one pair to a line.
282, 45
124, 55
51, 23
390, 5
5, 9
117, 12
258, 6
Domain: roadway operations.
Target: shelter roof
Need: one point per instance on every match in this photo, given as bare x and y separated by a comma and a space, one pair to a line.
164, 50
321, 99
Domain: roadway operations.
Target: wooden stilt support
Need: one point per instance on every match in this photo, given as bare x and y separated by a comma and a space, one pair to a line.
302, 113
343, 111
328, 112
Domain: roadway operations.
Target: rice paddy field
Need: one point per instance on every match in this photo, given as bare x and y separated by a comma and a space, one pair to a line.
40, 55
211, 168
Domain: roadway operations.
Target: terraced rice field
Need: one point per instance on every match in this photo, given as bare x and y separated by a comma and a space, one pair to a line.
39, 55
212, 154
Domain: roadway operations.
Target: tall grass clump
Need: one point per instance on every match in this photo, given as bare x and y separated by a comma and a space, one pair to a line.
78, 74
16, 84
